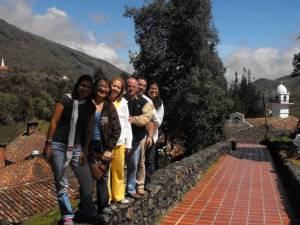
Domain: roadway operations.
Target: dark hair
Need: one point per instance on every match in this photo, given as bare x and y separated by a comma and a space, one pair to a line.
122, 89
157, 102
99, 73
84, 77
141, 78
104, 78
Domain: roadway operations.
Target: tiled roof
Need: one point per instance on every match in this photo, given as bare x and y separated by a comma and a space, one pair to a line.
256, 134
289, 123
36, 169
232, 127
27, 188
21, 202
21, 147
252, 135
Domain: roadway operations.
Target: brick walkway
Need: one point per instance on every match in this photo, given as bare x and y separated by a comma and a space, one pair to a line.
241, 189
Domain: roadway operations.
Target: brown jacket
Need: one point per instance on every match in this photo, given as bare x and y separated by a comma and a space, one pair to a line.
110, 126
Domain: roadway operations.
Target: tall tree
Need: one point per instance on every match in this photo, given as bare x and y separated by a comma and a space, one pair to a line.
296, 65
247, 99
178, 48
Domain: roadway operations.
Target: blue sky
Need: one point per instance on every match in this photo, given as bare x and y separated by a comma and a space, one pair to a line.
260, 35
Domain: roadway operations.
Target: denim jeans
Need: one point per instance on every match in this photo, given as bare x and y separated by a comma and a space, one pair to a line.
82, 172
132, 159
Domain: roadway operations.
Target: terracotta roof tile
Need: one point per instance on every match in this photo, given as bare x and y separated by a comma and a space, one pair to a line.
253, 135
256, 134
21, 202
289, 123
21, 147
27, 188
32, 170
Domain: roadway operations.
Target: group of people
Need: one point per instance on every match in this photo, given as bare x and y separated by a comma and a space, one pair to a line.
109, 122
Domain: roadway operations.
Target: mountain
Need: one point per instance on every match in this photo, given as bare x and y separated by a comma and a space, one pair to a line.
26, 52
292, 84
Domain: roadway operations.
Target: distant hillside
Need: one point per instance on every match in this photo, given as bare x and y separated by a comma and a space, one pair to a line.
35, 82
291, 83
26, 52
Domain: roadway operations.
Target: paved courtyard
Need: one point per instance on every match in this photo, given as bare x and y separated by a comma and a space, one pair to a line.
241, 189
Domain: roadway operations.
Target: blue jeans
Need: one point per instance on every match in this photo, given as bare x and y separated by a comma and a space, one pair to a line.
132, 159
58, 163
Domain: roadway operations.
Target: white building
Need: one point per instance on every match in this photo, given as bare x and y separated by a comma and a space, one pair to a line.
280, 102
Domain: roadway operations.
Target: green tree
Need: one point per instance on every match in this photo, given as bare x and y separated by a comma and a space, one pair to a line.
246, 98
296, 65
9, 107
177, 42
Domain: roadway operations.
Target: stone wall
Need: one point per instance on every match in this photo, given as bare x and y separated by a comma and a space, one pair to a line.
167, 187
289, 175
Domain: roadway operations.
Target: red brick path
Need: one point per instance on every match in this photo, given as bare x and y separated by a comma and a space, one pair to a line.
241, 189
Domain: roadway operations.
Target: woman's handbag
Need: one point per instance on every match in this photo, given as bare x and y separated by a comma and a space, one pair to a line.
98, 167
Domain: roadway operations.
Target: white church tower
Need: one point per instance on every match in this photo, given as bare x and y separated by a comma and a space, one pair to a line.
281, 102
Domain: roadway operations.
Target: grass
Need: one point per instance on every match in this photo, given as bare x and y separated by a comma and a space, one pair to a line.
49, 218
11, 131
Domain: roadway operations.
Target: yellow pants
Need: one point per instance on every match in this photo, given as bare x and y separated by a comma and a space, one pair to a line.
116, 185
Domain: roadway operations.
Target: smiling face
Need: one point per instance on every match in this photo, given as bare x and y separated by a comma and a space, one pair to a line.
153, 91
132, 87
116, 88
142, 84
84, 89
102, 89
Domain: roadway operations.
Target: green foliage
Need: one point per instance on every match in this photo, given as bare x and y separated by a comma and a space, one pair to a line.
10, 131
49, 218
296, 65
246, 98
279, 135
177, 42
28, 96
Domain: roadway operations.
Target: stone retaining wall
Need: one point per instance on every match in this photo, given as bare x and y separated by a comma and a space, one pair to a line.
167, 187
289, 175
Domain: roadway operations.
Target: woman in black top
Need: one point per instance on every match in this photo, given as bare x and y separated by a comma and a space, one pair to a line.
67, 144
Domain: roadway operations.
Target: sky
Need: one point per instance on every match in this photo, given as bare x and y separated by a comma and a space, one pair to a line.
260, 35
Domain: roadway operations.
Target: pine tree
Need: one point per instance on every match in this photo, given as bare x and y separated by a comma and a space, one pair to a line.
178, 48
247, 99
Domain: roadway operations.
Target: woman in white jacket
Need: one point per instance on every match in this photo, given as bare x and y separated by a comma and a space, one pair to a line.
116, 183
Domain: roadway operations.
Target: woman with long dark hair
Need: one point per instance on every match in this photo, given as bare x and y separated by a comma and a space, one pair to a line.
156, 121
67, 145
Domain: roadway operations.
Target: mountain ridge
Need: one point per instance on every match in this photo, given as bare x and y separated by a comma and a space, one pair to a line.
25, 52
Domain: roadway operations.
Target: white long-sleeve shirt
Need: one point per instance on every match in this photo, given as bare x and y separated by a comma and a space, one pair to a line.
126, 132
157, 117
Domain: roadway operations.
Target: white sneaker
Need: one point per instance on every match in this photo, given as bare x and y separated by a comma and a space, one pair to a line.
124, 201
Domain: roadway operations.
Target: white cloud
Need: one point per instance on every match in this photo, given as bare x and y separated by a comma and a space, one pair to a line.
267, 63
57, 26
